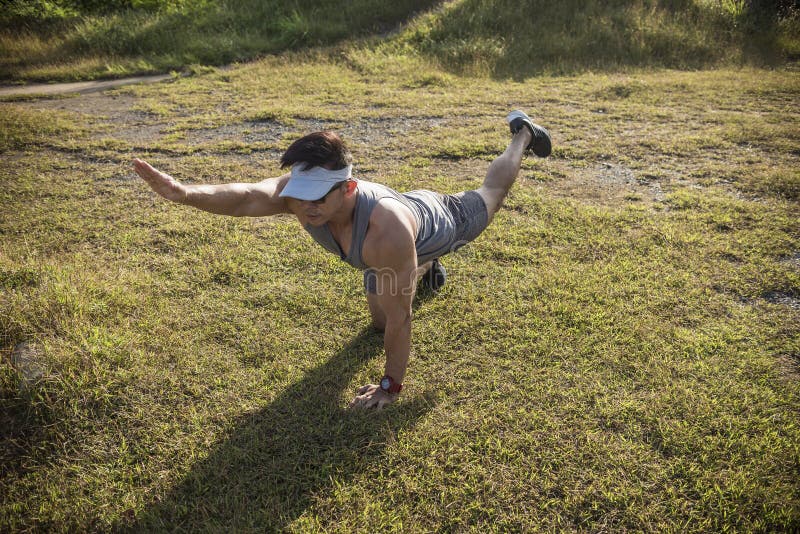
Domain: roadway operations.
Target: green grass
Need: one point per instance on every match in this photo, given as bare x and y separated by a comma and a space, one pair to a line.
618, 351
53, 40
518, 39
76, 44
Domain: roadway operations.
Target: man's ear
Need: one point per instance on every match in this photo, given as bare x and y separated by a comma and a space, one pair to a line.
350, 186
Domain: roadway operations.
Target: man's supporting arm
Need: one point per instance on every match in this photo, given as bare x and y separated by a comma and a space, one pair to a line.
239, 200
394, 297
389, 250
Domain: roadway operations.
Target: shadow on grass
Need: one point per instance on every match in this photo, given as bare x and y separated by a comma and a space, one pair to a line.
275, 462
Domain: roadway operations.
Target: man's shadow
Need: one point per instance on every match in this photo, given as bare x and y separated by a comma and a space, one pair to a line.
274, 462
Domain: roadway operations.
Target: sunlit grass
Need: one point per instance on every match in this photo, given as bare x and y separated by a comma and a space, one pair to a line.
617, 352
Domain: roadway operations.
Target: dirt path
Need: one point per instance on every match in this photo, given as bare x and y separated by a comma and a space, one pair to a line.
78, 87
606, 184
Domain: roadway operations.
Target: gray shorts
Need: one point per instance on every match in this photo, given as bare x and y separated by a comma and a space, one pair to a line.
470, 217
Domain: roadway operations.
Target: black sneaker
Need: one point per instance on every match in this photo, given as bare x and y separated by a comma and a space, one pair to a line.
540, 144
436, 276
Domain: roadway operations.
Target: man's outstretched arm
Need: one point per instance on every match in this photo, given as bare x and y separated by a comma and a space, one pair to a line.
239, 200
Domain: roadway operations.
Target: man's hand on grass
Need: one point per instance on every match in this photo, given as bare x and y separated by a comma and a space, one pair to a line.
372, 396
163, 184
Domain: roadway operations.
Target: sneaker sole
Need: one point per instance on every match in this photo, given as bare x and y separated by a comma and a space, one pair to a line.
541, 144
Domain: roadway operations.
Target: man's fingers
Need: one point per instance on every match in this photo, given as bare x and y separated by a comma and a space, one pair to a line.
359, 402
144, 169
360, 398
370, 396
363, 397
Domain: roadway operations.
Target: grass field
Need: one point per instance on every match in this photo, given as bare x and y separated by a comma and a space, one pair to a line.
619, 351
67, 40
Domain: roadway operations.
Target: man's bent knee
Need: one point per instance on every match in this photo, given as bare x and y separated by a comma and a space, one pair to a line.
493, 198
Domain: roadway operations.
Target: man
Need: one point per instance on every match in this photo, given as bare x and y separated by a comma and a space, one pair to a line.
393, 237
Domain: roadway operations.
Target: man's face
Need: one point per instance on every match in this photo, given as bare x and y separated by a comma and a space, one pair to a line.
319, 212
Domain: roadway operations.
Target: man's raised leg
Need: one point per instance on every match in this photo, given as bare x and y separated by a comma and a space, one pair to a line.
503, 171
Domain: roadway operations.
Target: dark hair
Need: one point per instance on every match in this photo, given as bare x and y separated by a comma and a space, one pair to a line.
318, 149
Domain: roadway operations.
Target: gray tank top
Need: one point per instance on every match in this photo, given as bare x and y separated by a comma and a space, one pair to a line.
435, 226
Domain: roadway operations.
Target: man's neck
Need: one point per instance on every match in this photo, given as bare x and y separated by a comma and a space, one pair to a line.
344, 217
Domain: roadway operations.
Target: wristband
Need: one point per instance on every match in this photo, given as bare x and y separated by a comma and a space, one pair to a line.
389, 385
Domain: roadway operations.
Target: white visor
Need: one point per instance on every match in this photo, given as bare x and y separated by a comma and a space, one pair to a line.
314, 183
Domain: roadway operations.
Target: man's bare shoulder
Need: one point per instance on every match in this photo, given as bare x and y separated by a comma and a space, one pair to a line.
392, 219
265, 199
272, 185
391, 234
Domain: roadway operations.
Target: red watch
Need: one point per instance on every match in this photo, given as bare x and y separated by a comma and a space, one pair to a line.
389, 385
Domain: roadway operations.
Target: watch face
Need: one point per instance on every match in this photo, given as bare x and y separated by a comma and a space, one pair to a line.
386, 383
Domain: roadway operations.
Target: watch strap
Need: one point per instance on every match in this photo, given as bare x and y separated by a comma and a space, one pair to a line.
389, 385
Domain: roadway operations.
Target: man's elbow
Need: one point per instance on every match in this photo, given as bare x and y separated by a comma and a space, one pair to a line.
398, 320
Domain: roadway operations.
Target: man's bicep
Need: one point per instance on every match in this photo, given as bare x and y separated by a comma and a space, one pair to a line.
395, 286
396, 278
391, 253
